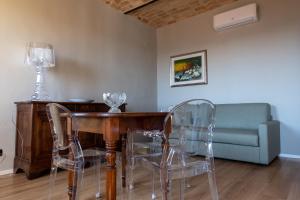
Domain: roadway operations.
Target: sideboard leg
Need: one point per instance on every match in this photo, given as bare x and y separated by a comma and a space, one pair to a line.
124, 162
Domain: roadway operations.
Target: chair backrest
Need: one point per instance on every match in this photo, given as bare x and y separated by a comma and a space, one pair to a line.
188, 120
58, 124
58, 116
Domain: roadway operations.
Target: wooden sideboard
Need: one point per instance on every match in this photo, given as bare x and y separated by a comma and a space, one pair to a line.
33, 135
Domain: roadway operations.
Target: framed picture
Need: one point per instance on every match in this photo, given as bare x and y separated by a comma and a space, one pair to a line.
188, 69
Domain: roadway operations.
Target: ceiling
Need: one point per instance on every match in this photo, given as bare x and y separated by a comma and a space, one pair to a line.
158, 13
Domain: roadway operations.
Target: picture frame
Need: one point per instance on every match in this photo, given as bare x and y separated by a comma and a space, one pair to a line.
188, 69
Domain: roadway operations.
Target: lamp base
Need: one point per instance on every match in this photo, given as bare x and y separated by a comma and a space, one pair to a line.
39, 97
40, 93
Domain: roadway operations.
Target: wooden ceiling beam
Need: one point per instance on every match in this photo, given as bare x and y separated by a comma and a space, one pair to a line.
139, 7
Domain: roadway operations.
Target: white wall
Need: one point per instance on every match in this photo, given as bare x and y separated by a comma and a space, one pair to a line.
254, 63
97, 49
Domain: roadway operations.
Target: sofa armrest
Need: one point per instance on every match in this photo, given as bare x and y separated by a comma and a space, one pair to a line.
269, 141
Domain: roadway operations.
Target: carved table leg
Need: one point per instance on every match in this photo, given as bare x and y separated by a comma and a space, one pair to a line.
111, 137
70, 184
111, 172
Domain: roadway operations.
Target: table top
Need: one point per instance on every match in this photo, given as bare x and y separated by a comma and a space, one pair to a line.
120, 115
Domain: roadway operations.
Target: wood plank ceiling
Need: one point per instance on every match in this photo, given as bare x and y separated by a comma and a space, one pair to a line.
158, 13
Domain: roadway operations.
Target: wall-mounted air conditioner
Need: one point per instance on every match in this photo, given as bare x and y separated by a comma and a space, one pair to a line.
236, 17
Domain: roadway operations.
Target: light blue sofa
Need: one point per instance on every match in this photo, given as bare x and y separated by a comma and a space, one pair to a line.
244, 132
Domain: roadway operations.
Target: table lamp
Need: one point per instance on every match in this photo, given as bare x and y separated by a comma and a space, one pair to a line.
41, 56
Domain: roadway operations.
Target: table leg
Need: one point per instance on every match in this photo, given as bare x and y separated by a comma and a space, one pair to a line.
71, 174
70, 184
111, 172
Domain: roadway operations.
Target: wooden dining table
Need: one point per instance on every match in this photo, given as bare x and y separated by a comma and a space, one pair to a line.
113, 127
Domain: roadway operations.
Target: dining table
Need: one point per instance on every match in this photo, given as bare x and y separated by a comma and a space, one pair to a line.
113, 127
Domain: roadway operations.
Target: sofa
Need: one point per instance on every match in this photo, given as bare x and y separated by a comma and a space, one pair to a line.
243, 132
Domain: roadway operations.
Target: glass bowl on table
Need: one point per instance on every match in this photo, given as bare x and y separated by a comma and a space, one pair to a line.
114, 100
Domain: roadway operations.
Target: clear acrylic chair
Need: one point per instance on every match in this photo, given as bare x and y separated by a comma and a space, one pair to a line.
67, 152
189, 121
141, 144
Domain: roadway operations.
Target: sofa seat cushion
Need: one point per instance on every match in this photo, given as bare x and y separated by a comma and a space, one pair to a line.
246, 137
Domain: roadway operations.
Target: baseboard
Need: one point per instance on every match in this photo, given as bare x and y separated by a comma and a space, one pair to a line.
283, 155
5, 172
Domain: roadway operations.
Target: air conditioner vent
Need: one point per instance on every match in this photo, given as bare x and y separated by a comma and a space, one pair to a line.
236, 17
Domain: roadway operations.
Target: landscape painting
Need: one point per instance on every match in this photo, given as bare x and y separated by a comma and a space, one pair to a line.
188, 69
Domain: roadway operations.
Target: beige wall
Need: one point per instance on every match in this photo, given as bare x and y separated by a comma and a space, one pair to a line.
254, 63
97, 49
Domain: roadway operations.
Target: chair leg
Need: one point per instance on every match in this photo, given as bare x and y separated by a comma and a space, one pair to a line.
122, 191
165, 184
130, 186
212, 179
77, 183
187, 183
130, 178
153, 195
97, 165
53, 173
182, 188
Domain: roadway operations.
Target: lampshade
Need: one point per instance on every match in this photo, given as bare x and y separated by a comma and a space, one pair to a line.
40, 54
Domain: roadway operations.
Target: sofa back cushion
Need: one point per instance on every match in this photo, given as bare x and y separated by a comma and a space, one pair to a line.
242, 116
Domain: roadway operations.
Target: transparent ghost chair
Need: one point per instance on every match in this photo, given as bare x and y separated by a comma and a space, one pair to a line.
189, 121
141, 144
67, 152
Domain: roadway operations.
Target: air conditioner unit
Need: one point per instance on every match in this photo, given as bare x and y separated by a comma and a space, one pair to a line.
236, 17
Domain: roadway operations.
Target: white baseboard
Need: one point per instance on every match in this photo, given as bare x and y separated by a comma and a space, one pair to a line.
5, 172
283, 155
